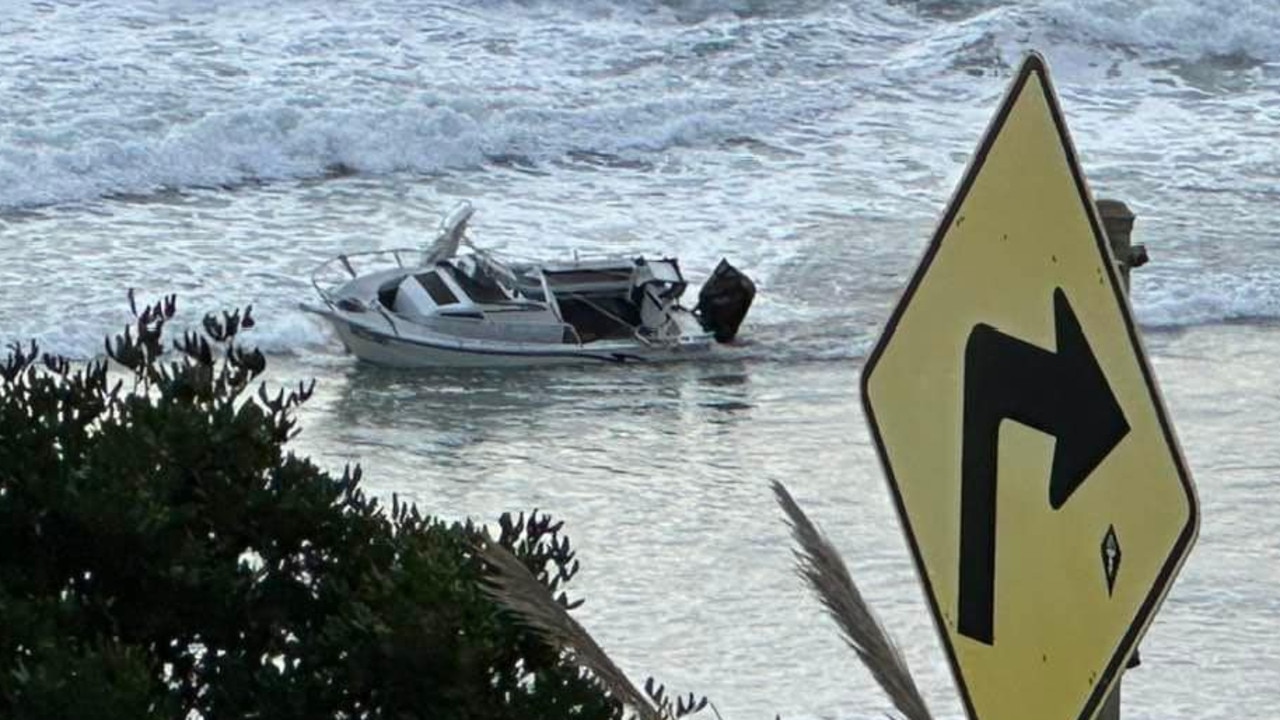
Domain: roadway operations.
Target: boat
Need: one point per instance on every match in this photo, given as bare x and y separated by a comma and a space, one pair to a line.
452, 304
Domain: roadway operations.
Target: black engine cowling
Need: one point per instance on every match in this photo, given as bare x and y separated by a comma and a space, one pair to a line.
724, 300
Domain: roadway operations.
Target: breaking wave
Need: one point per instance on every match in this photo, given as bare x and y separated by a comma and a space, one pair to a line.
442, 93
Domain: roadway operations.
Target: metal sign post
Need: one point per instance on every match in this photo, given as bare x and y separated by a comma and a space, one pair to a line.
1117, 221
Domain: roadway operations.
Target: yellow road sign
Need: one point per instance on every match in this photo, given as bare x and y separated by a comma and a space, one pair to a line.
1032, 463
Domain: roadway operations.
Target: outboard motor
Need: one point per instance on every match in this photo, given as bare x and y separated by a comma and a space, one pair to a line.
724, 300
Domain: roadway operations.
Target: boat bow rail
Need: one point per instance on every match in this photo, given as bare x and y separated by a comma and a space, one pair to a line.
336, 272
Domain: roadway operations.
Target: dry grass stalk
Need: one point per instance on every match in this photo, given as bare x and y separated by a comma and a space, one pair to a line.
823, 569
515, 588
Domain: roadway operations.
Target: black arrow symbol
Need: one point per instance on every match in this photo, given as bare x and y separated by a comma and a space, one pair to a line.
1063, 394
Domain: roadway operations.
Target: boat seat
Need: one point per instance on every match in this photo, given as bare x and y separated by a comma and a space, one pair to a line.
387, 294
481, 289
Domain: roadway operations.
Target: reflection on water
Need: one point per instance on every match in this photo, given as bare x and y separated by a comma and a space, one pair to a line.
479, 427
488, 403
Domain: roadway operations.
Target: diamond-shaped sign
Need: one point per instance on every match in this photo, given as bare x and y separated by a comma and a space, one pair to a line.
1020, 426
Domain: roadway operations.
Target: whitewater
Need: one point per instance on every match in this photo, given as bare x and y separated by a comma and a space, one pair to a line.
219, 151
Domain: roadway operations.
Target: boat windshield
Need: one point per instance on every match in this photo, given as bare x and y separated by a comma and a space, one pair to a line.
480, 286
440, 293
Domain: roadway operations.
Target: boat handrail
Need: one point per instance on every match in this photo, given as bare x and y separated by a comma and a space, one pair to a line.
508, 256
386, 316
577, 338
344, 261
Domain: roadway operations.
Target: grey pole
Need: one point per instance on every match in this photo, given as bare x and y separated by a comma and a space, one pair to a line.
1117, 221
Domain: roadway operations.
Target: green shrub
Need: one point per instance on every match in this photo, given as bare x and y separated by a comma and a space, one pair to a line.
162, 555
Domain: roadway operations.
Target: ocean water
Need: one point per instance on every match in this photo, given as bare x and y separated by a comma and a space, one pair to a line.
221, 150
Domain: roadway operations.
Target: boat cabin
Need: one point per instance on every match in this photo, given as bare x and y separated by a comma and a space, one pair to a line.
573, 302
456, 299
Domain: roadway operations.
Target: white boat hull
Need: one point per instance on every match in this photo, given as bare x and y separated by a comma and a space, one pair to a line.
424, 349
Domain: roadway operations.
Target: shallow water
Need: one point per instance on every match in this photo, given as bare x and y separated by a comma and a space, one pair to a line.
220, 151
662, 474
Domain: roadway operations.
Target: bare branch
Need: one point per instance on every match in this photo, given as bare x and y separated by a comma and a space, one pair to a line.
512, 586
826, 574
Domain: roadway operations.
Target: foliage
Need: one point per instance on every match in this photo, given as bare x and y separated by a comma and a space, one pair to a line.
162, 555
